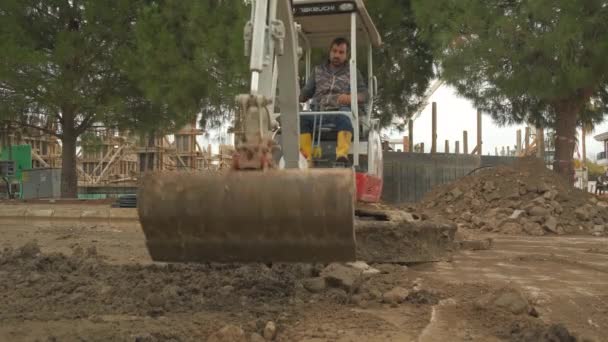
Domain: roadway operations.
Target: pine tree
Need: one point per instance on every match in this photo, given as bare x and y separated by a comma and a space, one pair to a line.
139, 64
541, 61
403, 65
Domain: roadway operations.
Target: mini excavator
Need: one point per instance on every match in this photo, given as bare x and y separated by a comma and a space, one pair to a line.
274, 205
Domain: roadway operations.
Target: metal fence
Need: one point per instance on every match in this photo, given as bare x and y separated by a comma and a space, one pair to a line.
409, 176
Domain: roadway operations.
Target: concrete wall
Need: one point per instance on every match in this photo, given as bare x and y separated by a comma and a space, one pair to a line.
409, 176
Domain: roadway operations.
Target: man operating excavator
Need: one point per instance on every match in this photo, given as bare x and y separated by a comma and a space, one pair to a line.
329, 88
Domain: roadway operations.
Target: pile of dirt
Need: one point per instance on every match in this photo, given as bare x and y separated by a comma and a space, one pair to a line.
83, 284
524, 198
58, 286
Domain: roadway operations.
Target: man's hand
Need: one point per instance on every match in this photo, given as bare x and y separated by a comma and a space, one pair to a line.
344, 99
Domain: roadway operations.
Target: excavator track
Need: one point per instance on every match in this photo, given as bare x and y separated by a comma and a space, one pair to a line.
249, 216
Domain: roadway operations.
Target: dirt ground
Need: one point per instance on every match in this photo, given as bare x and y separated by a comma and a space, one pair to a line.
65, 281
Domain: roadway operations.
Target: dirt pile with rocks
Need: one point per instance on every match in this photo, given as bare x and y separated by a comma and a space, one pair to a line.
526, 198
237, 302
83, 285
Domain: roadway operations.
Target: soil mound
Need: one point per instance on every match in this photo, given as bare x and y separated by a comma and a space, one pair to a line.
525, 198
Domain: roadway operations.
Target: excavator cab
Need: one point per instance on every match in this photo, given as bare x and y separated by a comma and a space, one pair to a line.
259, 211
320, 22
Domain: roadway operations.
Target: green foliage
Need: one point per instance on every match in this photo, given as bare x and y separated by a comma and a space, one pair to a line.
91, 142
404, 64
188, 57
521, 60
594, 170
60, 60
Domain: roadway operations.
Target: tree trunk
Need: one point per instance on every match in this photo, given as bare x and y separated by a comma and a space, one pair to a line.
69, 176
565, 131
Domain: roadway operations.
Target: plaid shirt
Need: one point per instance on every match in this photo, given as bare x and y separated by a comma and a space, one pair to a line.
326, 84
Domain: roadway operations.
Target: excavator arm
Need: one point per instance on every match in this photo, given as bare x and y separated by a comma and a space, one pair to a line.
255, 212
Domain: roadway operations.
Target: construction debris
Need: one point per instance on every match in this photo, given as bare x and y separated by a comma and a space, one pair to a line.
526, 198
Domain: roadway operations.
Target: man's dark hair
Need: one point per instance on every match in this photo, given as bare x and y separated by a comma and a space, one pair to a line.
339, 41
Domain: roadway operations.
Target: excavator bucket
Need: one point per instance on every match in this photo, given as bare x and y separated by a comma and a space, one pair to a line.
249, 216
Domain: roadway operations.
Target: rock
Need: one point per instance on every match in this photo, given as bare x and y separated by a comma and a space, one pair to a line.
537, 211
403, 216
488, 186
550, 195
456, 193
551, 225
582, 214
513, 301
511, 228
226, 290
371, 271
514, 195
533, 228
337, 295
373, 293
516, 214
337, 275
34, 277
477, 221
491, 196
466, 216
423, 297
593, 200
475, 202
358, 300
360, 265
270, 331
592, 210
540, 200
449, 210
598, 220
508, 299
229, 333
302, 270
557, 207
155, 300
29, 250
255, 337
395, 296
602, 204
522, 190
531, 188
543, 188
314, 285
598, 228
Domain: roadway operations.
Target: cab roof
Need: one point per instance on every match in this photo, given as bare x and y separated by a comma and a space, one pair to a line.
324, 20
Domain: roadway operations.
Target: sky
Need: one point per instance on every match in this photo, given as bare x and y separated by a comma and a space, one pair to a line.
456, 114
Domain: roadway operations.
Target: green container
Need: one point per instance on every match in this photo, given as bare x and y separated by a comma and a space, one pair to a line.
22, 155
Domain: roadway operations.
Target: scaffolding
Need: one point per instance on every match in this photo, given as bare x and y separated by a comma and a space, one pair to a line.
46, 148
112, 160
111, 156
186, 151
